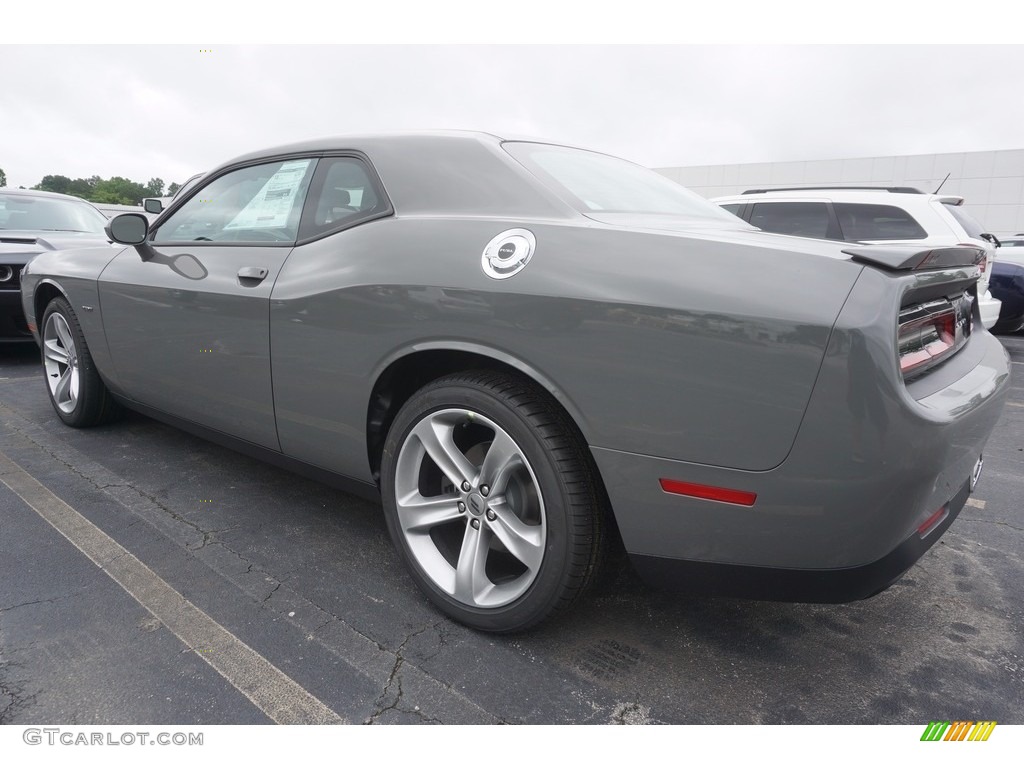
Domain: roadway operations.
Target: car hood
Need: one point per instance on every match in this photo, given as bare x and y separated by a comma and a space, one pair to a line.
19, 245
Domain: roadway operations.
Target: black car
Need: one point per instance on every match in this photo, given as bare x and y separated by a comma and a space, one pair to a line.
32, 222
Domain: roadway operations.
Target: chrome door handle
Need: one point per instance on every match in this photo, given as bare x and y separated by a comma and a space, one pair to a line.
252, 273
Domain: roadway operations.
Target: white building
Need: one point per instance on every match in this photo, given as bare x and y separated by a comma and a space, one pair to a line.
991, 183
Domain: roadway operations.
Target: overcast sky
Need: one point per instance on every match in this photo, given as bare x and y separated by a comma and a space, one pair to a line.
172, 110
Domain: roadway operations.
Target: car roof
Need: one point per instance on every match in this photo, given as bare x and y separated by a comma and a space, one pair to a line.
437, 172
355, 141
41, 193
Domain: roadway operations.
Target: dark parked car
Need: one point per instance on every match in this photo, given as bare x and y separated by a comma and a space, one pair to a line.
1008, 285
30, 223
528, 350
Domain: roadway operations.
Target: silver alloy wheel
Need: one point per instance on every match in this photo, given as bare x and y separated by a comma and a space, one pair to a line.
60, 359
470, 508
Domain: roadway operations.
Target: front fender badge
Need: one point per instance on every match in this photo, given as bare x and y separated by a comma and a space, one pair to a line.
508, 253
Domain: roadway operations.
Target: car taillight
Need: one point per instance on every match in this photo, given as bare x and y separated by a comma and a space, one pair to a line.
931, 332
982, 261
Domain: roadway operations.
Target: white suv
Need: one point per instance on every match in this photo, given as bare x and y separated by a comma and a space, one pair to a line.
870, 215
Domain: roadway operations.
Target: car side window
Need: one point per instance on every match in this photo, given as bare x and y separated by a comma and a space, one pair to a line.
258, 203
792, 218
344, 192
877, 222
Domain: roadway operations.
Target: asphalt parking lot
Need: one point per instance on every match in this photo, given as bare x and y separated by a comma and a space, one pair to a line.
148, 576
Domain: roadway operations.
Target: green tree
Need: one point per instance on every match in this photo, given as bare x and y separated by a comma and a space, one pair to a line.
172, 190
155, 188
119, 191
3, 178
59, 184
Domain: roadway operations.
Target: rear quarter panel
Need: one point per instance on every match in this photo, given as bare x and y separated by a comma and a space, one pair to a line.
676, 345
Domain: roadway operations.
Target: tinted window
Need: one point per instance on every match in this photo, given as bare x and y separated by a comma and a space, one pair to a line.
33, 212
343, 193
877, 222
592, 183
802, 219
733, 208
260, 203
970, 224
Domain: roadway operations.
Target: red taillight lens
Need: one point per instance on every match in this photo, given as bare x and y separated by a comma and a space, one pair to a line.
934, 519
711, 492
929, 333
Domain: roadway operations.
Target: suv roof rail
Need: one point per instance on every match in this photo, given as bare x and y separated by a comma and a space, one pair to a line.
902, 190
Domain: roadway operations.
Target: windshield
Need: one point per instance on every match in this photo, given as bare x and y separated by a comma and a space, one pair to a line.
49, 214
595, 183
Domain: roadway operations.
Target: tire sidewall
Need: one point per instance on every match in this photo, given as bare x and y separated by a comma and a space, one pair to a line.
60, 306
543, 594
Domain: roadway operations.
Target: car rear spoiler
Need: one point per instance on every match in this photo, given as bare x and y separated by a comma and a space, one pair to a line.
910, 257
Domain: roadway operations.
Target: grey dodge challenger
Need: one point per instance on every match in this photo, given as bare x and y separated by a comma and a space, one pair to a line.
531, 353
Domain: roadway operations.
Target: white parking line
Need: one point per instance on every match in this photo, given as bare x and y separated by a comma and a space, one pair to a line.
1015, 405
282, 699
976, 503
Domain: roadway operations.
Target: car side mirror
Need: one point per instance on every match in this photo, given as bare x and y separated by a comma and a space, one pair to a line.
152, 205
128, 229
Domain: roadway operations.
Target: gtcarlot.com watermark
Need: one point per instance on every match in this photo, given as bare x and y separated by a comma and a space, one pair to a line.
76, 738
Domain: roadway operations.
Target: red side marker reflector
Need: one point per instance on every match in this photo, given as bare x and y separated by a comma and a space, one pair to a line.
744, 498
931, 522
31, 326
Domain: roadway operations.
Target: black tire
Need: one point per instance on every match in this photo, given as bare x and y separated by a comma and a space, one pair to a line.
92, 404
552, 479
1008, 326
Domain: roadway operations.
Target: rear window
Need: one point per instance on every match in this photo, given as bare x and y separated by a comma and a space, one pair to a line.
792, 218
970, 224
595, 183
877, 222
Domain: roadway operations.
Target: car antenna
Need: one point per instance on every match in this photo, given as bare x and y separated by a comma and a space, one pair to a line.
940, 185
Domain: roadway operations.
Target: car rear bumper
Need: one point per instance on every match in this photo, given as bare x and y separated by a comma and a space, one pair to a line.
874, 460
807, 585
989, 309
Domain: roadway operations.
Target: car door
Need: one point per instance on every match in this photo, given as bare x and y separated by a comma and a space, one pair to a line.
186, 315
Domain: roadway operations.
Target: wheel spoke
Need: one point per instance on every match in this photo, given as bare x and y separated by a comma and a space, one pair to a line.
471, 582
60, 392
524, 542
63, 332
436, 437
502, 458
421, 513
52, 350
73, 388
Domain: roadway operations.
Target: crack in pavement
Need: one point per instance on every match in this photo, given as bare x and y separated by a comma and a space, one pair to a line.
395, 679
40, 601
14, 691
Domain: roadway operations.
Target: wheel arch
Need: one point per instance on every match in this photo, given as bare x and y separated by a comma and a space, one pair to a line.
45, 292
405, 371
